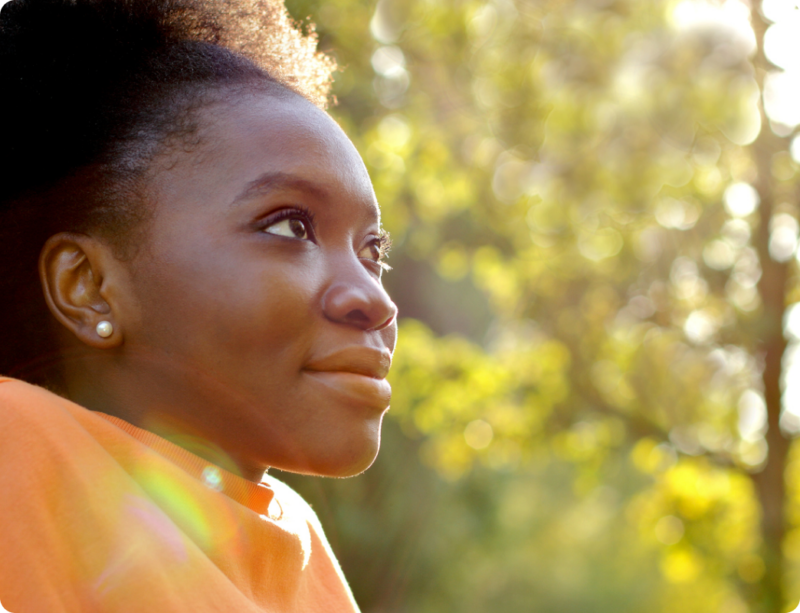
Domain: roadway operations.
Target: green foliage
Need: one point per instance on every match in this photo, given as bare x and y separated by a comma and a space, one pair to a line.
588, 317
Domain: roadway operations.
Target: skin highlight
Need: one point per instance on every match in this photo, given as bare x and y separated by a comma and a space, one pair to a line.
252, 317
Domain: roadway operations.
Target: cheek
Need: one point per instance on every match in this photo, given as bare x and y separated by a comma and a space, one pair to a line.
272, 316
223, 313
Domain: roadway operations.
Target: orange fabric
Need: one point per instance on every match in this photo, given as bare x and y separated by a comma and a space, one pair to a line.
99, 516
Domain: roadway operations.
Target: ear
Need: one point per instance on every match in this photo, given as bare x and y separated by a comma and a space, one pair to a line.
74, 271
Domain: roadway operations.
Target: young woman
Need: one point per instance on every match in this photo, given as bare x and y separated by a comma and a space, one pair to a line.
190, 273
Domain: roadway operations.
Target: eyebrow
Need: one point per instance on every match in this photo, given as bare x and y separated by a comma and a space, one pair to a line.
273, 181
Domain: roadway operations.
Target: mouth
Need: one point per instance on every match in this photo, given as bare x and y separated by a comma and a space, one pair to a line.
357, 360
356, 374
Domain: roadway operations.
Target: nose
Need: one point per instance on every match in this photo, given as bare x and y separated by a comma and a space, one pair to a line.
356, 298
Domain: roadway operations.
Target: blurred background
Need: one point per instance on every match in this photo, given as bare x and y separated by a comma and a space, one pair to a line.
594, 206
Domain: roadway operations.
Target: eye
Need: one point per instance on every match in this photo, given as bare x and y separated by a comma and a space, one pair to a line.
291, 223
293, 228
372, 251
377, 249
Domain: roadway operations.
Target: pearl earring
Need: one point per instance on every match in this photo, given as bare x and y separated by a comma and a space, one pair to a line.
104, 329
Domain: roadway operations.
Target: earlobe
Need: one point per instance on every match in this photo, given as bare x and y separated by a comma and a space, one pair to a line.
72, 272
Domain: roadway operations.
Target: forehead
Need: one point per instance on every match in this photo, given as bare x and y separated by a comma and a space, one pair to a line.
261, 141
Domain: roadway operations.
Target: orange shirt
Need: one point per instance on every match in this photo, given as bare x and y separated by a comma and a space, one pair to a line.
99, 516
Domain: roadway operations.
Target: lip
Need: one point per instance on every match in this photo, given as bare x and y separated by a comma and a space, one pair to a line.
356, 373
358, 360
355, 389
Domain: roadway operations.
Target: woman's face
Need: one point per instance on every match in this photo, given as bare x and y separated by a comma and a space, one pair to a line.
256, 295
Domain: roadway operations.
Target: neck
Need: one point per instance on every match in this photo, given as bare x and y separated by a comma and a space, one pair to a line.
185, 409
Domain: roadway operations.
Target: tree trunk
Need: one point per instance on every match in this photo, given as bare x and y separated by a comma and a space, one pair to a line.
770, 484
771, 345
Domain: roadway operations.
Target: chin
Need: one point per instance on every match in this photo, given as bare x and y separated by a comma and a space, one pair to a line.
347, 464
352, 469
347, 458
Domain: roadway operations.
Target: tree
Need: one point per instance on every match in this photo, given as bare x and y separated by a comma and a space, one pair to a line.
596, 218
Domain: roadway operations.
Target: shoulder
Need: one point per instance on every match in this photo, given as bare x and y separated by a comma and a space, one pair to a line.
23, 404
291, 502
20, 400
294, 508
35, 422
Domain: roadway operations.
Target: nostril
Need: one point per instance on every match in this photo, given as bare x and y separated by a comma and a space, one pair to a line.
357, 316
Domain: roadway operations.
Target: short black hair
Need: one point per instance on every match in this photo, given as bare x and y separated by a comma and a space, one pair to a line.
92, 90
